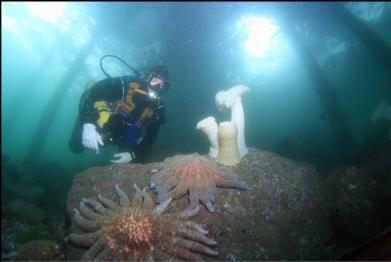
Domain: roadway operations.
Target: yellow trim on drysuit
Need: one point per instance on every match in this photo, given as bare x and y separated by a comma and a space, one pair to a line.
148, 112
101, 106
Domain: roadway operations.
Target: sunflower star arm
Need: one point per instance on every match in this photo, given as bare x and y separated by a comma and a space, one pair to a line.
177, 192
226, 173
105, 255
159, 209
108, 203
194, 196
207, 199
221, 182
188, 213
197, 227
95, 249
148, 202
168, 184
88, 212
84, 240
96, 205
197, 247
137, 200
207, 194
227, 176
161, 256
123, 198
85, 224
211, 199
195, 235
158, 179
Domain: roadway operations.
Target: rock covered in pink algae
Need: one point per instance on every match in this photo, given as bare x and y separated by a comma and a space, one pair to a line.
284, 215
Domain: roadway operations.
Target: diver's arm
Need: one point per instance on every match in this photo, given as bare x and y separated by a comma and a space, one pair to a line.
109, 89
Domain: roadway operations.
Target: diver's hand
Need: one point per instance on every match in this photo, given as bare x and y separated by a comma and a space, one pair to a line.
124, 158
91, 138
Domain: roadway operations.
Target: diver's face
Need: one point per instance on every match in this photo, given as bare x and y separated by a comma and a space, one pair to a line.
156, 83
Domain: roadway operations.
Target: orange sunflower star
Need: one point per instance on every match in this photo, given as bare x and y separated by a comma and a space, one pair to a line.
196, 175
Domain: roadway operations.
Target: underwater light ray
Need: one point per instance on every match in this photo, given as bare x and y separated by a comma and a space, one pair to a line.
48, 11
259, 32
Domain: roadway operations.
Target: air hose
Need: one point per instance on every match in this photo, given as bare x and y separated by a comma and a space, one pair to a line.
137, 73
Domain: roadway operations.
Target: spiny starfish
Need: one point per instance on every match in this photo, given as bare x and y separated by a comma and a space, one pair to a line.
137, 230
196, 175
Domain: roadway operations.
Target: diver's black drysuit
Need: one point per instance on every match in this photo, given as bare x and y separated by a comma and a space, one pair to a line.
135, 120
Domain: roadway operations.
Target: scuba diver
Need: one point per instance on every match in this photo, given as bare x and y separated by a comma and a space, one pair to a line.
126, 111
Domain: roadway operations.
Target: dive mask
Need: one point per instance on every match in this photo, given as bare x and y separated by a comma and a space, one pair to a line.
157, 83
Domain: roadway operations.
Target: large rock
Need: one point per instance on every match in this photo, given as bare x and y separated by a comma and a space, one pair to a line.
284, 216
355, 200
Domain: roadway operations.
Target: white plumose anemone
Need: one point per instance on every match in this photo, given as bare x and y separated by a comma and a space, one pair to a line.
228, 146
209, 127
232, 99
